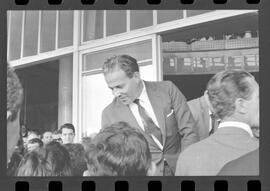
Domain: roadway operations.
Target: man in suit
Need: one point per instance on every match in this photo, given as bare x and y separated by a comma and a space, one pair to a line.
206, 121
234, 97
158, 109
247, 165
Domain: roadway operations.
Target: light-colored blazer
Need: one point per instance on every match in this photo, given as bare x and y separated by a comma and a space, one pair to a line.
200, 112
207, 157
174, 119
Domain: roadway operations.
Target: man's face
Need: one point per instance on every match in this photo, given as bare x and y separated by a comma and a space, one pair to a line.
124, 88
67, 135
253, 113
47, 137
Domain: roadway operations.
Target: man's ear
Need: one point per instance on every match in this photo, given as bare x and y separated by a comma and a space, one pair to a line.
241, 105
151, 171
137, 76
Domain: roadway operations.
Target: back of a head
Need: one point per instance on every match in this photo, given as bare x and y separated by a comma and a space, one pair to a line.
124, 62
59, 157
14, 101
119, 150
225, 87
77, 154
35, 163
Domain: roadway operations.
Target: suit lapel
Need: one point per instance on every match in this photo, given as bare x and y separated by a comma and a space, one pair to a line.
156, 102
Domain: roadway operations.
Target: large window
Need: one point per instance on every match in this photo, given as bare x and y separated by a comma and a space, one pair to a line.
93, 25
116, 22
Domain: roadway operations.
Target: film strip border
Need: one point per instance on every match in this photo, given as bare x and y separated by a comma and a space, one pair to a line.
124, 2
123, 185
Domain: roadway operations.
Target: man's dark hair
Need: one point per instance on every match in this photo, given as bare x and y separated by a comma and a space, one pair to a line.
118, 150
124, 62
14, 93
76, 153
36, 140
67, 126
225, 87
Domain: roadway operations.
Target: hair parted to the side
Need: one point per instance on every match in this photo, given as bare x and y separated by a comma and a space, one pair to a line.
124, 62
14, 93
76, 153
225, 87
67, 126
118, 150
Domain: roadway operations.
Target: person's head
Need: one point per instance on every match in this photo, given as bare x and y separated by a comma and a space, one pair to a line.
14, 101
234, 96
47, 137
32, 135
119, 150
51, 160
123, 78
67, 133
76, 153
33, 144
59, 157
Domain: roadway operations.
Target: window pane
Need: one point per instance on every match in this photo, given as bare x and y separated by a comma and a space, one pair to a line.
140, 51
140, 19
196, 12
116, 22
93, 25
168, 15
65, 29
48, 30
15, 35
30, 33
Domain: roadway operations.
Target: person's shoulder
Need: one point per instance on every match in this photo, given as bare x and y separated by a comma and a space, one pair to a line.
160, 84
110, 107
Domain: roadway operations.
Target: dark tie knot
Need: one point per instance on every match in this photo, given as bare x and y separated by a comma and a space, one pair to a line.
137, 101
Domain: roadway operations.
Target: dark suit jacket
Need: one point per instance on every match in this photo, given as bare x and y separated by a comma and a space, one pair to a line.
207, 157
200, 112
247, 165
173, 116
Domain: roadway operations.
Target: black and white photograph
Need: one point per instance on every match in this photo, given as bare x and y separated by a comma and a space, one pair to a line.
133, 93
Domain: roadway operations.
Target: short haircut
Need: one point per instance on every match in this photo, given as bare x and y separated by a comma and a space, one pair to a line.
14, 93
59, 158
119, 150
67, 126
76, 153
124, 62
225, 87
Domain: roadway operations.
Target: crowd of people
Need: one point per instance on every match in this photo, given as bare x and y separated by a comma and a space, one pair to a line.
148, 129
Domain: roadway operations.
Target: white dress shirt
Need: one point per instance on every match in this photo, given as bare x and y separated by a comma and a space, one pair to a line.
241, 125
146, 104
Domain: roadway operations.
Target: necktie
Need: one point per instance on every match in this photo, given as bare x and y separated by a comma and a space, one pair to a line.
214, 123
149, 126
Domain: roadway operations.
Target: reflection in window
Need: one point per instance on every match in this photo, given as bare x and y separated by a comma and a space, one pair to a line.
93, 25
168, 15
65, 29
196, 12
116, 22
140, 19
140, 51
15, 34
48, 30
30, 33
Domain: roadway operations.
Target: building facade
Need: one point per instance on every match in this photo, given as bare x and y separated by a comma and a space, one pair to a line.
59, 54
